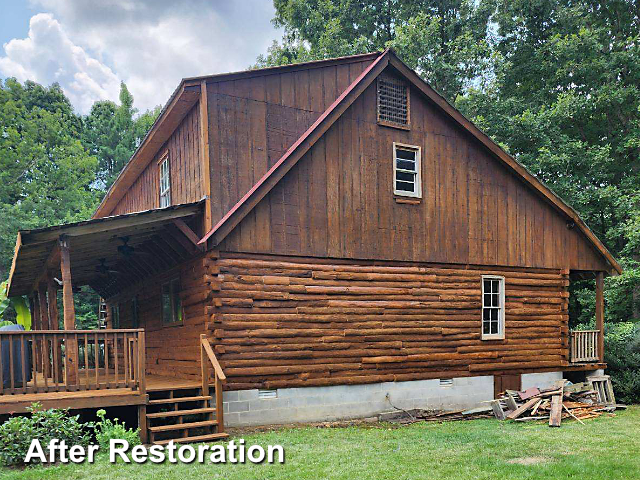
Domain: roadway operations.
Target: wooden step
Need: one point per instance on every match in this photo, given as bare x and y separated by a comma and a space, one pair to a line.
178, 413
194, 439
182, 426
162, 401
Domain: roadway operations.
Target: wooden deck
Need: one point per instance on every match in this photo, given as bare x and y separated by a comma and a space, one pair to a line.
83, 398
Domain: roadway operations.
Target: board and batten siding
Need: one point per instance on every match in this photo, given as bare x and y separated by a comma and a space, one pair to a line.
338, 202
253, 121
185, 171
284, 322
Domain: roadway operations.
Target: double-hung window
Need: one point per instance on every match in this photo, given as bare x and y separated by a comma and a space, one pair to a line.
406, 171
492, 307
165, 182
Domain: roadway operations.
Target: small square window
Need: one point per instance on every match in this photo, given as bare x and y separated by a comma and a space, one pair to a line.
406, 171
492, 307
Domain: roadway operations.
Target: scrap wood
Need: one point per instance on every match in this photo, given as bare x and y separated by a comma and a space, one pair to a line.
522, 408
555, 417
571, 413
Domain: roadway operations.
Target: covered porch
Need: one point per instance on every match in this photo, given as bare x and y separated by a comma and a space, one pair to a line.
57, 364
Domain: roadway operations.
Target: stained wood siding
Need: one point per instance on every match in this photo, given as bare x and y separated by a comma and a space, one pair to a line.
338, 202
253, 121
186, 170
282, 322
171, 350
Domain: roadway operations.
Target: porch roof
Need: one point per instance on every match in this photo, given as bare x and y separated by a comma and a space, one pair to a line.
161, 238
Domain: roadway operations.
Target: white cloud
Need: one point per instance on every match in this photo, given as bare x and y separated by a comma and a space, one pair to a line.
47, 55
149, 44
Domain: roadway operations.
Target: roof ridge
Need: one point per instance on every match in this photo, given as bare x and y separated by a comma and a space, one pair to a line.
292, 66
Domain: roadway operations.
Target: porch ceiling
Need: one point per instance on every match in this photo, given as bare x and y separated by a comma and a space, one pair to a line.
157, 239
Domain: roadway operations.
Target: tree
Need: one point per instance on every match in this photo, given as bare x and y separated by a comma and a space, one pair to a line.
565, 100
46, 175
446, 41
112, 132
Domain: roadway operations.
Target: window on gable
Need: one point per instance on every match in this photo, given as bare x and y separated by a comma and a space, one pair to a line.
492, 307
406, 171
165, 182
171, 303
393, 102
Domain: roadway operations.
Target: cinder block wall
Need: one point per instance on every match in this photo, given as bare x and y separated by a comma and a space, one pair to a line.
540, 380
315, 404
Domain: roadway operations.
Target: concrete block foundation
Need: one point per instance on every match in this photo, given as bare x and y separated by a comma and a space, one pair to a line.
342, 402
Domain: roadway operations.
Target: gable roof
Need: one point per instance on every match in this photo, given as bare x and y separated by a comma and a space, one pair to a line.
244, 206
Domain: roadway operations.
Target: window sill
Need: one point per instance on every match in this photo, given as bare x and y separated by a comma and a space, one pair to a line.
408, 200
399, 126
492, 337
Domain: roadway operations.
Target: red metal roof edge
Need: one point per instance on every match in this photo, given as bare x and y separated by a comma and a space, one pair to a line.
293, 147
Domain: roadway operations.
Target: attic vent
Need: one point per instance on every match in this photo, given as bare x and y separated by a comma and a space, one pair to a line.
267, 394
446, 382
393, 102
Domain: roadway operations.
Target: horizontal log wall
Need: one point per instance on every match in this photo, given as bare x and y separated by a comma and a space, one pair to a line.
287, 323
172, 350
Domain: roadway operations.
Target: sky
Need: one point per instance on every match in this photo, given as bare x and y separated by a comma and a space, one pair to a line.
90, 46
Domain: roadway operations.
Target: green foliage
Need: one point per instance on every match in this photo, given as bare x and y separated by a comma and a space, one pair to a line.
107, 429
17, 433
112, 132
445, 41
622, 354
19, 305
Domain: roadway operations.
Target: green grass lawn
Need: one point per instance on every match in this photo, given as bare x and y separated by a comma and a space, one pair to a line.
604, 448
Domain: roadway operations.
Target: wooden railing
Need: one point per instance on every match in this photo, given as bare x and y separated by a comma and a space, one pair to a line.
71, 360
584, 346
207, 357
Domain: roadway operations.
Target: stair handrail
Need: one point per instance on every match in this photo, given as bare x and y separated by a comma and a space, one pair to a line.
212, 357
219, 377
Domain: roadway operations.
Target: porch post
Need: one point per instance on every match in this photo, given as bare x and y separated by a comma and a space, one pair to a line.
35, 321
600, 313
71, 347
54, 318
44, 325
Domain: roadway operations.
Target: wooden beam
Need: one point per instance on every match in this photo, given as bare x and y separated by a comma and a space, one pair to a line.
204, 155
600, 313
184, 228
71, 347
52, 302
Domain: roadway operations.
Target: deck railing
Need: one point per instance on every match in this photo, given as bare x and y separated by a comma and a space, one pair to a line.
70, 360
584, 346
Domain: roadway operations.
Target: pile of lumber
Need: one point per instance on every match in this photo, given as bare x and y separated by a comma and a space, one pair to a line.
563, 401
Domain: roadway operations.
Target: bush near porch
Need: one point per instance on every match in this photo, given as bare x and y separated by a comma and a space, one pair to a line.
604, 448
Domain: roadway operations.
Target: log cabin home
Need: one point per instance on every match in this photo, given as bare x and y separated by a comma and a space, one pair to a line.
307, 242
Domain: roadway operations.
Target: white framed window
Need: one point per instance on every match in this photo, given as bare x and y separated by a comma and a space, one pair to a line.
406, 171
165, 182
492, 307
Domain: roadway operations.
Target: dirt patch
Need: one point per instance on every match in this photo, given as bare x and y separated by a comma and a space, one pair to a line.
529, 460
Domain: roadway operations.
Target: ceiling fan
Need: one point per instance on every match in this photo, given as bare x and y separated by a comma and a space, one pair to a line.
103, 269
127, 250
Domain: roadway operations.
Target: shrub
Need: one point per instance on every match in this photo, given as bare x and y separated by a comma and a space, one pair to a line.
622, 355
107, 429
17, 433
